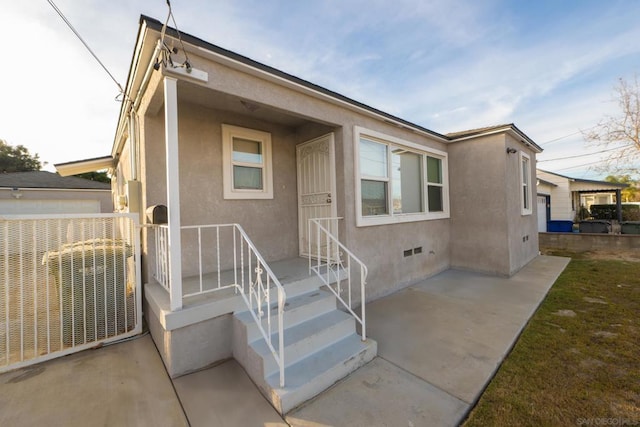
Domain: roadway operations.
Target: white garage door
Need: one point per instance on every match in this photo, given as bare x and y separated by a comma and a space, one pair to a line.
542, 214
19, 206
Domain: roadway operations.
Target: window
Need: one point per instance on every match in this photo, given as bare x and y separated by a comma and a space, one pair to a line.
525, 183
246, 155
375, 180
398, 181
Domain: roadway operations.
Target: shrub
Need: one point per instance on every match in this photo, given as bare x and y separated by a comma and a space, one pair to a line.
629, 212
603, 211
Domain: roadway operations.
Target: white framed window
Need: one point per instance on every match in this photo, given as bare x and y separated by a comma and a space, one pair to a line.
246, 163
525, 184
397, 180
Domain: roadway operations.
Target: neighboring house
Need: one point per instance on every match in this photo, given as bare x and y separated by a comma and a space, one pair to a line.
224, 139
566, 195
41, 192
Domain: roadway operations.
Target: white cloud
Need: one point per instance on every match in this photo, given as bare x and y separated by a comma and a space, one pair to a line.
442, 64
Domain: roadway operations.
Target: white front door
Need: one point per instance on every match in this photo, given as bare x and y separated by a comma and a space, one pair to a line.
316, 185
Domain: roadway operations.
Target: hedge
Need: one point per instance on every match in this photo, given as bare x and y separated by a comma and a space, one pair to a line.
629, 212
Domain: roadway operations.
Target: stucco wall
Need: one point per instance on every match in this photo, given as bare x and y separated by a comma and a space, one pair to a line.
476, 237
488, 231
479, 239
522, 229
270, 223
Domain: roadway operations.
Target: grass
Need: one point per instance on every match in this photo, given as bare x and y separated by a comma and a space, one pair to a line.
578, 359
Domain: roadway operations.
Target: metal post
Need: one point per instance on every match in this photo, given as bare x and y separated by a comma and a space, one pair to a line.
619, 204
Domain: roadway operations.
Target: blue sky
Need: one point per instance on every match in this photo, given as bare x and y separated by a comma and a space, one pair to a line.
449, 65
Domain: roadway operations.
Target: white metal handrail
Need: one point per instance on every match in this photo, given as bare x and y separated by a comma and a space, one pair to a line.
332, 262
237, 264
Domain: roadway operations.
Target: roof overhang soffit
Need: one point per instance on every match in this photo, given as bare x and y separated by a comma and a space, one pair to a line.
84, 166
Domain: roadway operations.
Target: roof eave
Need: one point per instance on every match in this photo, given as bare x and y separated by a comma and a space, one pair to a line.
511, 129
84, 166
252, 67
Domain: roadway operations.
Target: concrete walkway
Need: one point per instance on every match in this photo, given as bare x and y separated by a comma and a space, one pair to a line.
439, 343
118, 385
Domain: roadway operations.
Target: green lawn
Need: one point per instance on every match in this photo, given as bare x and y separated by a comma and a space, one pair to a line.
578, 360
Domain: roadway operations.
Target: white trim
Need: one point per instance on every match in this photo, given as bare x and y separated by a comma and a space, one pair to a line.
385, 139
191, 73
524, 210
173, 190
228, 133
391, 218
83, 166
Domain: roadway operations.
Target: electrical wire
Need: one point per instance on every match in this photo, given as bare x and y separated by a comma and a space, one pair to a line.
580, 166
186, 56
586, 155
566, 136
66, 21
167, 50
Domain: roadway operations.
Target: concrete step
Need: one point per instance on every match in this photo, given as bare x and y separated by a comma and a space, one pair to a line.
314, 374
321, 347
302, 340
297, 309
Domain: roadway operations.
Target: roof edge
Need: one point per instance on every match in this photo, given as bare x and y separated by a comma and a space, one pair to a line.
492, 130
82, 166
156, 25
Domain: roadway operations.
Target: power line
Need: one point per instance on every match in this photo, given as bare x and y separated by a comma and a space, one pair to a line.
580, 166
566, 136
64, 18
585, 155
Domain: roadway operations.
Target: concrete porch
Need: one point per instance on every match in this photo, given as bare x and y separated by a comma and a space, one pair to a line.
200, 334
440, 342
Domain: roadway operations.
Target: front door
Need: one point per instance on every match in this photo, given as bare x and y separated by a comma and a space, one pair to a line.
316, 185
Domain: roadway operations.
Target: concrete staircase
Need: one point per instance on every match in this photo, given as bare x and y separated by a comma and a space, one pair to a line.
321, 346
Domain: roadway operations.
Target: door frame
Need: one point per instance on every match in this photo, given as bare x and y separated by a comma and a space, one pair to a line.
302, 228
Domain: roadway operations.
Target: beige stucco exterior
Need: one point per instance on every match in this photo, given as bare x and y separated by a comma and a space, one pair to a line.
272, 224
488, 231
483, 180
484, 230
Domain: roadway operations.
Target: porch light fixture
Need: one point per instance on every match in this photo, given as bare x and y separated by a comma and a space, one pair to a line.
16, 193
511, 150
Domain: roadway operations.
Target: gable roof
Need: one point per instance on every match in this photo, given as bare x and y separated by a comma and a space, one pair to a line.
49, 180
507, 127
587, 181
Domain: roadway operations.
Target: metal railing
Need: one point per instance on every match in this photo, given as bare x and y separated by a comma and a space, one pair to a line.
67, 283
222, 256
337, 266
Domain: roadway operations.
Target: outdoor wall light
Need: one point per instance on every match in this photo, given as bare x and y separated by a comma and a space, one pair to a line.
16, 193
511, 150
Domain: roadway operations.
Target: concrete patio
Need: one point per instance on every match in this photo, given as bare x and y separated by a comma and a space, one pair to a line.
439, 343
